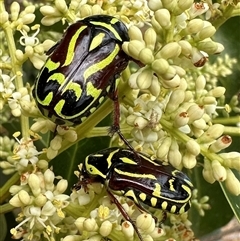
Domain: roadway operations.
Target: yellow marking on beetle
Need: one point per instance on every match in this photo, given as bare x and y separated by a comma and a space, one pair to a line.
114, 20
92, 91
97, 155
102, 64
109, 158
127, 160
83, 118
58, 108
92, 109
153, 201
109, 27
58, 77
96, 41
182, 209
75, 87
130, 193
92, 169
71, 47
188, 190
173, 209
47, 100
164, 205
142, 196
101, 99
50, 65
171, 186
175, 172
130, 174
157, 190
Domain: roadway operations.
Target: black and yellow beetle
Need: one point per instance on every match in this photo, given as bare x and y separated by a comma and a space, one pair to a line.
81, 70
146, 182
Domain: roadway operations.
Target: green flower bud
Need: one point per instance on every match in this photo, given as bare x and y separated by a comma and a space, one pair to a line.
154, 4
208, 46
146, 56
207, 172
163, 17
185, 4
135, 33
85, 10
61, 6
4, 17
134, 48
206, 32
49, 21
96, 9
186, 48
160, 66
150, 38
169, 51
157, 27
231, 160
194, 26
170, 74
144, 79
217, 92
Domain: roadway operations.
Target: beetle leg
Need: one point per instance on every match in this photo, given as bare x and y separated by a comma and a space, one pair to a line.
124, 213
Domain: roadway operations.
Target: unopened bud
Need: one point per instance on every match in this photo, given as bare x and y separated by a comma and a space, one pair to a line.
221, 143
150, 38
135, 33
219, 172
232, 183
163, 17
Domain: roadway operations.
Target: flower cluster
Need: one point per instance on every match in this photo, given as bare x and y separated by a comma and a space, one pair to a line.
171, 97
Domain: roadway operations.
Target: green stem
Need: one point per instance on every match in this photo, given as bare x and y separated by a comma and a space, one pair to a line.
16, 69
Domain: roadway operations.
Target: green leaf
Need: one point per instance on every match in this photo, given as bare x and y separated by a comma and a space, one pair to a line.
3, 226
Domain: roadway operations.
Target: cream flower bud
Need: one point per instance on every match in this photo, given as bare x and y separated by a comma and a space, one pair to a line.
176, 98
209, 100
181, 119
85, 10
212, 133
150, 38
200, 124
221, 143
56, 142
49, 10
195, 112
220, 48
105, 228
24, 197
155, 86
34, 183
160, 66
135, 33
128, 229
61, 186
189, 160
163, 149
217, 92
145, 222
15, 201
49, 21
40, 200
169, 51
154, 4
28, 18
96, 9
219, 172
231, 160
4, 17
180, 71
15, 9
79, 224
134, 48
146, 56
174, 155
140, 123
200, 85
194, 26
49, 177
90, 225
208, 46
144, 79
185, 4
193, 147
206, 32
157, 27
170, 5
208, 172
163, 17
157, 233
186, 48
61, 6
232, 183
170, 74
19, 55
